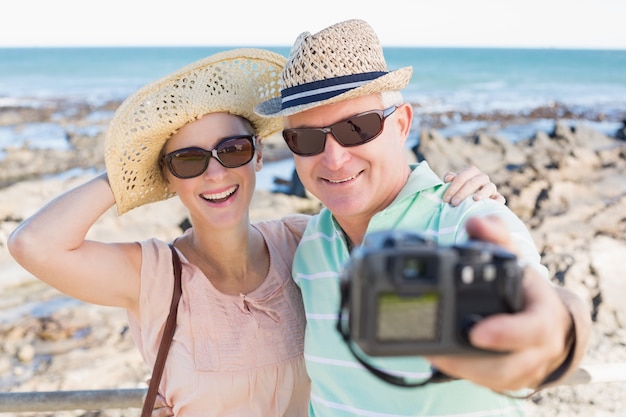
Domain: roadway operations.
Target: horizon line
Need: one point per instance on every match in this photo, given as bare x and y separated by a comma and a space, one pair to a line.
528, 47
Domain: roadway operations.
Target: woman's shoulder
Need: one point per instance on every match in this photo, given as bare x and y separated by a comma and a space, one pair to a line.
293, 224
153, 246
156, 256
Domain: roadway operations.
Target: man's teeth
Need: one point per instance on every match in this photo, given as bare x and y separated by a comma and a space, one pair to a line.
343, 180
220, 196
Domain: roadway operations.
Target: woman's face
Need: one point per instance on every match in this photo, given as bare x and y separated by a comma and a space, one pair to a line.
218, 197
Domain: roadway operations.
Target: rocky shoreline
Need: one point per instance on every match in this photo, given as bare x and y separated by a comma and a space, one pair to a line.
568, 185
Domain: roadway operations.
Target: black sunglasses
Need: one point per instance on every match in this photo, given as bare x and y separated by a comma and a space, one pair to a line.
356, 130
232, 152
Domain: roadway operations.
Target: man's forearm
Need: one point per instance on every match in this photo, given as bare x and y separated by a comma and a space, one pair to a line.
575, 352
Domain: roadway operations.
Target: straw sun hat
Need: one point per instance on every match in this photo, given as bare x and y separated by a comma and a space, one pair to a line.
232, 82
338, 63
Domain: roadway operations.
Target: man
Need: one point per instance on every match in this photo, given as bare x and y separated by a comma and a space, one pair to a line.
347, 125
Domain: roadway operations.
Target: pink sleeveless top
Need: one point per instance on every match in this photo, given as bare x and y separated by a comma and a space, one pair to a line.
231, 355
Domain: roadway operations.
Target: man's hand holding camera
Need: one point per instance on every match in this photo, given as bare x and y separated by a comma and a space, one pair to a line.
544, 341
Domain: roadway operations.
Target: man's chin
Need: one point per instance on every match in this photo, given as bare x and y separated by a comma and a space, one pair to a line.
342, 207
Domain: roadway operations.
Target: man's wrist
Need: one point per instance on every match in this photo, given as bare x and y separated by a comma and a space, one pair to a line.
570, 351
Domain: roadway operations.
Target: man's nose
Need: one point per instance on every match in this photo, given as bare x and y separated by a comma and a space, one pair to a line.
335, 154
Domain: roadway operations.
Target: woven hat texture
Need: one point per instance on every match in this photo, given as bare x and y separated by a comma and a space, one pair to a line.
231, 82
338, 63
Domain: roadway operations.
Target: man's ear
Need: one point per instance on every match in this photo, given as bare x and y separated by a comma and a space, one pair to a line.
404, 120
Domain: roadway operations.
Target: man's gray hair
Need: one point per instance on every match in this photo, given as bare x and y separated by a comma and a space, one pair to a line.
390, 98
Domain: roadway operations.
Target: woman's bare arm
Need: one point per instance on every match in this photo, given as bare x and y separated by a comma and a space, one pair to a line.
52, 246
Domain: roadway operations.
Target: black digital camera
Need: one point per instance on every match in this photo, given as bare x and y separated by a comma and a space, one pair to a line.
406, 295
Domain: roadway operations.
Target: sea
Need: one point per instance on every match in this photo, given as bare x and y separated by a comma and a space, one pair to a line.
449, 82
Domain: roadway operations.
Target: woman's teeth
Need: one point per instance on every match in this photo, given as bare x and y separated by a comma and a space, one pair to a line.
220, 196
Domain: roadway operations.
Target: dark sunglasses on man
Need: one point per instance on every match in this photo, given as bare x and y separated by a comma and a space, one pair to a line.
354, 131
231, 152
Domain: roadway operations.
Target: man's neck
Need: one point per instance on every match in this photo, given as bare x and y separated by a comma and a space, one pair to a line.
353, 233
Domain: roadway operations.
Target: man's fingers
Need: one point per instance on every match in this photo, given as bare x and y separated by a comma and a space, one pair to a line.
490, 229
505, 332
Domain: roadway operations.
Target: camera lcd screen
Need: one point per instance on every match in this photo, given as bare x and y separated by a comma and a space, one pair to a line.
407, 318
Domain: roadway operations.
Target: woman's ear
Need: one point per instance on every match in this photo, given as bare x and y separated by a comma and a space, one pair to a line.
168, 184
165, 173
258, 157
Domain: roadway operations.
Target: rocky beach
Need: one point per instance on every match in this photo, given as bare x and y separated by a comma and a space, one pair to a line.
568, 184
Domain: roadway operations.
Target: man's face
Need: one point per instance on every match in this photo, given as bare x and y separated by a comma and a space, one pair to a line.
355, 182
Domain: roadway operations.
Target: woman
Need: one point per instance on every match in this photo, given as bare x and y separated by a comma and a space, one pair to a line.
238, 344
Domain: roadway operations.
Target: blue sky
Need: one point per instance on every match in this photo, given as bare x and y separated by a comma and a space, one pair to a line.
475, 23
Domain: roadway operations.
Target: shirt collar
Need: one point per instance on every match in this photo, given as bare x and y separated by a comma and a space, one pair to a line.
421, 178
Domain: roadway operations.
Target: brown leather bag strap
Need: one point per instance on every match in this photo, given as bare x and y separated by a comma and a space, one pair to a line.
168, 334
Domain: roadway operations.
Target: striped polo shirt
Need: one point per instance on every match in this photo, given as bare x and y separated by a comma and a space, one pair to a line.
340, 385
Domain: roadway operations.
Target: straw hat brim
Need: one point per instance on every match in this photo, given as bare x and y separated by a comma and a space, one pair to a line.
232, 82
392, 81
